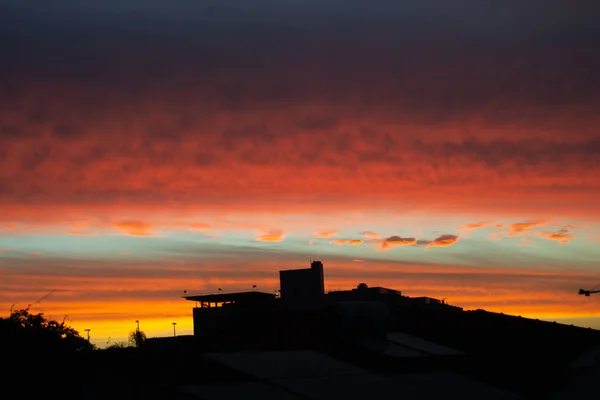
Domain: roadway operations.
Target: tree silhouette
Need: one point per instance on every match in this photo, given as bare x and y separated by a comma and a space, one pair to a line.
26, 331
137, 338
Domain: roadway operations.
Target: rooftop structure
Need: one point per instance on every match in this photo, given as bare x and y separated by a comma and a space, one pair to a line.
216, 299
364, 292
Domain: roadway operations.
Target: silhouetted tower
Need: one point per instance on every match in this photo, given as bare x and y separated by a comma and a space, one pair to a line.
317, 267
303, 284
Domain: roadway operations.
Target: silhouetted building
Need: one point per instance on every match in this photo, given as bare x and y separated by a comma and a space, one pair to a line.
302, 284
411, 339
228, 311
393, 298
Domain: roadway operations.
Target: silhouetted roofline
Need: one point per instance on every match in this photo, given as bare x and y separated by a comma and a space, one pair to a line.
227, 297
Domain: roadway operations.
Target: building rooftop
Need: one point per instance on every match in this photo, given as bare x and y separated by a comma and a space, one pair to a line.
230, 297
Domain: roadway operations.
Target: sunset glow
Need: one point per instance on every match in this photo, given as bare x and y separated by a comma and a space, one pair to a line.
138, 163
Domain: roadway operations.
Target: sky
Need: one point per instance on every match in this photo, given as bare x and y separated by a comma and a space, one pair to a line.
444, 149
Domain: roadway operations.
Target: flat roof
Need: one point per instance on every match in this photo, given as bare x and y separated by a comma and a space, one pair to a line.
295, 271
227, 297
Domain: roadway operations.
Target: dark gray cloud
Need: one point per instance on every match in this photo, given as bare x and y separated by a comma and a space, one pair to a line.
453, 53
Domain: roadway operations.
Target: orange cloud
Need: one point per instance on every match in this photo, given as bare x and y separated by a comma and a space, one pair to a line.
325, 234
563, 236
370, 235
520, 228
5, 249
350, 242
473, 226
443, 241
135, 228
272, 235
396, 241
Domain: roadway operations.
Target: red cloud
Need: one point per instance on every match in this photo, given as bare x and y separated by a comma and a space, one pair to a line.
156, 172
350, 242
272, 235
135, 228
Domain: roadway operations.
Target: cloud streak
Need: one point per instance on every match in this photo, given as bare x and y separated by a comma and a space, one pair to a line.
473, 226
349, 242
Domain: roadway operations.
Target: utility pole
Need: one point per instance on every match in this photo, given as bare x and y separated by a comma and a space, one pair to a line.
138, 324
174, 323
88, 334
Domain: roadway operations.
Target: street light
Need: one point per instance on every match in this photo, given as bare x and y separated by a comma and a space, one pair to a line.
174, 323
88, 333
138, 324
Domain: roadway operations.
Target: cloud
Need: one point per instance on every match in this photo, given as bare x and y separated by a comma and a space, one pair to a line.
211, 142
396, 241
443, 241
327, 233
562, 236
473, 226
135, 228
370, 235
271, 235
521, 228
5, 249
494, 236
350, 242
